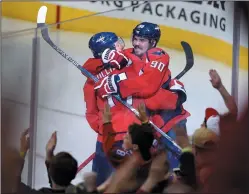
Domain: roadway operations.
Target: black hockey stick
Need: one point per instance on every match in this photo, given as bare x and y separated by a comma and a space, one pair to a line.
189, 59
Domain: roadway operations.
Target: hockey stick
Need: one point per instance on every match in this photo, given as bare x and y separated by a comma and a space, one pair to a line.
83, 164
189, 64
189, 59
41, 18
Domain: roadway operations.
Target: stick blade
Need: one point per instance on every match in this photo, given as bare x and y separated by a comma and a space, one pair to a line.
41, 16
189, 59
189, 54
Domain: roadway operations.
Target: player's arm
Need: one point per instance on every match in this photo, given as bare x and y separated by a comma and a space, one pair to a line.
91, 105
170, 96
146, 85
162, 100
155, 73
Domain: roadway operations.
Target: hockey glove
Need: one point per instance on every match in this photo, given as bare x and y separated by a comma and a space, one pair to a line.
107, 86
115, 59
178, 87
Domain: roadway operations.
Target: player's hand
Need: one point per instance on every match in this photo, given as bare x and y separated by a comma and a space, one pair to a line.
51, 146
142, 113
24, 143
114, 58
215, 79
107, 116
107, 86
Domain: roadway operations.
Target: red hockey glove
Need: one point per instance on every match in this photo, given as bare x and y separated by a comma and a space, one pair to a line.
107, 86
115, 59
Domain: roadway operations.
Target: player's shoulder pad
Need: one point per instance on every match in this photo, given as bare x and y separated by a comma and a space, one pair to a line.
92, 64
157, 52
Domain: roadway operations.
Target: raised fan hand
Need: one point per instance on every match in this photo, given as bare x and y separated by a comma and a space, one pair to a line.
142, 113
124, 178
24, 142
107, 115
51, 146
215, 79
158, 171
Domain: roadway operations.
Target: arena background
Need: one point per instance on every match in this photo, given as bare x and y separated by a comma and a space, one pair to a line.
207, 26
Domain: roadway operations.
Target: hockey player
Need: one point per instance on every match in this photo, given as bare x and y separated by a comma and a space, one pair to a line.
122, 117
154, 78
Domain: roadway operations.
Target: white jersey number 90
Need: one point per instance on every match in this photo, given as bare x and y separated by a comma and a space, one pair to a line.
159, 65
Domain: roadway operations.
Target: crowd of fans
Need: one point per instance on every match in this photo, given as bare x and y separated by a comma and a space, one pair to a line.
214, 159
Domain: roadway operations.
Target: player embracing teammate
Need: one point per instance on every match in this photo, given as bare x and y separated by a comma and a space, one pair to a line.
138, 74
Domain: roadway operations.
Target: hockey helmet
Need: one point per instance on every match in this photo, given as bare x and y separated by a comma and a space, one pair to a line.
101, 41
147, 30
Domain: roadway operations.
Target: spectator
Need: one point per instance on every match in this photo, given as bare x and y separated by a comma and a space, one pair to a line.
62, 168
228, 99
178, 188
89, 184
212, 117
138, 139
158, 177
205, 143
231, 172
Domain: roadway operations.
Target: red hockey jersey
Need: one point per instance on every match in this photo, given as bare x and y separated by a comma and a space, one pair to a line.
148, 83
121, 116
153, 75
